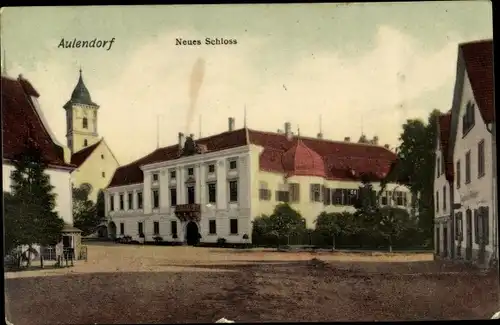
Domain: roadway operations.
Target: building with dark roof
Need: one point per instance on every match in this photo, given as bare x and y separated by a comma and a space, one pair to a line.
465, 185
91, 154
216, 185
23, 121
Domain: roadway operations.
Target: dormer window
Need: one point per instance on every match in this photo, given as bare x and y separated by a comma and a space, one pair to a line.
468, 120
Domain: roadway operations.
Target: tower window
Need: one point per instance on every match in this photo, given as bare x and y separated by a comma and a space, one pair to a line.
102, 156
85, 123
103, 174
85, 143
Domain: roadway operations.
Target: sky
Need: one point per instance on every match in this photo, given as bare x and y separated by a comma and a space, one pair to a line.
359, 68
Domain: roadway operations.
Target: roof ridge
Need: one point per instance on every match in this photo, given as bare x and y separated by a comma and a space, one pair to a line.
484, 40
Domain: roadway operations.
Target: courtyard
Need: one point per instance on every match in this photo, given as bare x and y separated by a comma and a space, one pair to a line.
160, 284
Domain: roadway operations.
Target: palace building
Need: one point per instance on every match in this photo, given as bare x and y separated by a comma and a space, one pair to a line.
217, 185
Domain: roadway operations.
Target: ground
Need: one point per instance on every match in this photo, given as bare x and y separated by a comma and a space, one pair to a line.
158, 284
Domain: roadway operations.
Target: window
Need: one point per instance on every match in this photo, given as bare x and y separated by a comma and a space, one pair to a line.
264, 192
85, 142
294, 192
155, 177
233, 164
173, 196
122, 228
140, 228
103, 174
190, 195
468, 119
444, 198
212, 230
383, 198
190, 171
337, 196
438, 166
443, 170
477, 227
459, 174
156, 199
233, 191
315, 193
458, 225
405, 199
282, 196
480, 159
485, 217
467, 167
399, 198
139, 200
173, 227
111, 202
437, 201
156, 228
172, 174
211, 168
212, 192
85, 123
130, 201
102, 156
349, 197
233, 226
121, 202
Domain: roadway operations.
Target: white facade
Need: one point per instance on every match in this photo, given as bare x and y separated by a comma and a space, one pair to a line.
60, 178
478, 191
220, 169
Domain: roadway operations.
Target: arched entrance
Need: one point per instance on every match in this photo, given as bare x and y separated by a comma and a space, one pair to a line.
112, 230
192, 233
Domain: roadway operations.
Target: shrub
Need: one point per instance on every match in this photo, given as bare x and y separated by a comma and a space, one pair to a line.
174, 236
245, 236
141, 235
221, 241
158, 239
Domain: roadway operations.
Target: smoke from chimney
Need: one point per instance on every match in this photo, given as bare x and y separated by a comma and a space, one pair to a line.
230, 122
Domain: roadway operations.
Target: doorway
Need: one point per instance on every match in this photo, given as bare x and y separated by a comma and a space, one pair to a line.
468, 235
67, 242
192, 233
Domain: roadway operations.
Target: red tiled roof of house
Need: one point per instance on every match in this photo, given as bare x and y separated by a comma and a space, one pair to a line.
478, 58
444, 122
342, 160
79, 157
302, 160
20, 121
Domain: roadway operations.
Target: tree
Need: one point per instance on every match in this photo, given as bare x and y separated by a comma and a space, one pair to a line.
366, 203
84, 211
285, 222
415, 166
334, 224
392, 222
100, 206
32, 201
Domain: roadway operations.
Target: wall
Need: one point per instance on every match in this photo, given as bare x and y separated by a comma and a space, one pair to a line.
222, 211
479, 191
443, 211
61, 180
91, 170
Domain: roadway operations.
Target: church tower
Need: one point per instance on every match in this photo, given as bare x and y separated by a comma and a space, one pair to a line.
81, 118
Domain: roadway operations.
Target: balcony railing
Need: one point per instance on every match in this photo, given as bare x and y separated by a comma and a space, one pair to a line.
188, 212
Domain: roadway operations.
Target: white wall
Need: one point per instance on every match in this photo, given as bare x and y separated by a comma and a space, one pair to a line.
479, 192
61, 180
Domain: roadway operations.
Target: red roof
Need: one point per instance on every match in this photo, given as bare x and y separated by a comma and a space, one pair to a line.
79, 157
444, 122
342, 160
301, 160
20, 121
478, 58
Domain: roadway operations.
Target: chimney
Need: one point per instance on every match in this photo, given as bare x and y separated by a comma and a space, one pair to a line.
347, 139
288, 130
386, 146
279, 131
320, 135
375, 140
230, 122
182, 139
